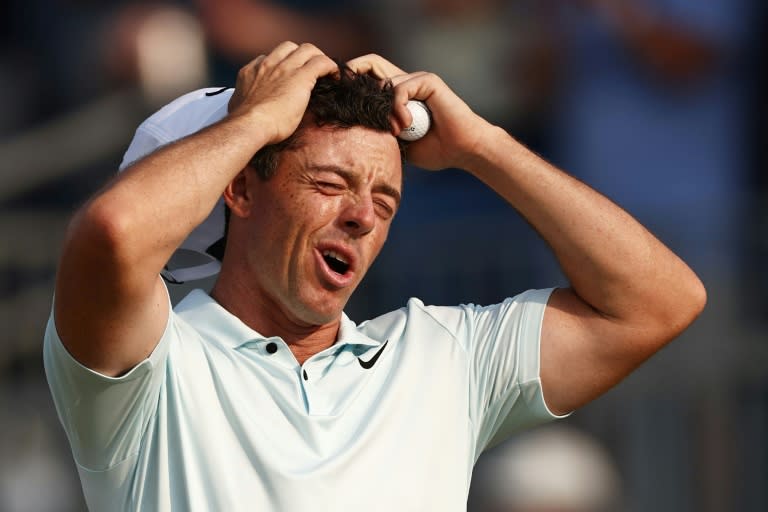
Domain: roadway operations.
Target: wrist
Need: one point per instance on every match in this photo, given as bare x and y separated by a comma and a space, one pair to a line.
492, 147
255, 130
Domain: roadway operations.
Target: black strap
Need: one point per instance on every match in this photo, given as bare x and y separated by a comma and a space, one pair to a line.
214, 93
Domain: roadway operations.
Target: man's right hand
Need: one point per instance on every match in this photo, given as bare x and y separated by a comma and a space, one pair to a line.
275, 88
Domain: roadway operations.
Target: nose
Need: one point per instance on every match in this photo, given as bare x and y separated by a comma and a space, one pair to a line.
359, 216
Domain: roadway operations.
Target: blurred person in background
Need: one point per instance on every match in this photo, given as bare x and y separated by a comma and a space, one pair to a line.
107, 64
661, 88
475, 47
236, 30
89, 49
553, 468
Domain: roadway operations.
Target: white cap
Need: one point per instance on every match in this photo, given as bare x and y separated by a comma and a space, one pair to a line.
184, 116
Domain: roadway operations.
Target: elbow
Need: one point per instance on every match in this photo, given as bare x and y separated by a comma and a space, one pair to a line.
693, 301
698, 298
98, 233
688, 302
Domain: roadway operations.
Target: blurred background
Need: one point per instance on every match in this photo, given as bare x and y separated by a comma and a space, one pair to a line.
659, 104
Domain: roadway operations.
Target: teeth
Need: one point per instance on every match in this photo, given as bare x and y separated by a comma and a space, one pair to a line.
335, 255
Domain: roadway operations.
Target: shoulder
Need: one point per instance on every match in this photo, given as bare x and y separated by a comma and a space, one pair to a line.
414, 315
460, 322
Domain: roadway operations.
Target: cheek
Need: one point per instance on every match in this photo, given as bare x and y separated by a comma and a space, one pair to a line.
303, 205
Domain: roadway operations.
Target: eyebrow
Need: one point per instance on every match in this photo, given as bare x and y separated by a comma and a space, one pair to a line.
351, 177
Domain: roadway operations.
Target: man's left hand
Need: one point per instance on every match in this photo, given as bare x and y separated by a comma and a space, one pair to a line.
456, 134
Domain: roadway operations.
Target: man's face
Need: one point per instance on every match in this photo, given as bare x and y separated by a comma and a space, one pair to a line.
321, 220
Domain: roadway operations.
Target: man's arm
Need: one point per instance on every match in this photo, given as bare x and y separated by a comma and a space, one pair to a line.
629, 294
111, 306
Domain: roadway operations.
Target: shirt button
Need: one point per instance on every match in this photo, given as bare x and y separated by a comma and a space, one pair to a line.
306, 377
271, 347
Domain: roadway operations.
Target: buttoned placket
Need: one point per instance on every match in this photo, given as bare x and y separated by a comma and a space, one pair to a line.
276, 351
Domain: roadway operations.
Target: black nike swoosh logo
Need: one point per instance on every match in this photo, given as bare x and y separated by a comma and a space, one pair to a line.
369, 364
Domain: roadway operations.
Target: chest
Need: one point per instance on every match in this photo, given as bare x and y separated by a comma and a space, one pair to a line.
399, 427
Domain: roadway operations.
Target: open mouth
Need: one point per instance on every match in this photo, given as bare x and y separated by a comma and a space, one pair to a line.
336, 262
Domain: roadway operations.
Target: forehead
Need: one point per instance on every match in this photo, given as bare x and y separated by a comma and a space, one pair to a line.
372, 154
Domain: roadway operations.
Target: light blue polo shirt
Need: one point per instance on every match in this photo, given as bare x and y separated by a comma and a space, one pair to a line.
393, 416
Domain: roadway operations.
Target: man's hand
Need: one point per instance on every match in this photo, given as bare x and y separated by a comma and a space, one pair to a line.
456, 130
275, 88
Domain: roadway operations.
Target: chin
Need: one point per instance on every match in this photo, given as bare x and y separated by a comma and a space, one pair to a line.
321, 313
319, 306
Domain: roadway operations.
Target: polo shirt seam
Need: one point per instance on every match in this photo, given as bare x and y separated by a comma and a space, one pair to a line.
473, 425
147, 416
536, 380
505, 391
522, 385
158, 133
461, 346
446, 329
110, 467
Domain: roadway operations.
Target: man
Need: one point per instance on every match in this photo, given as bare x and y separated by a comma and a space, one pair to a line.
264, 396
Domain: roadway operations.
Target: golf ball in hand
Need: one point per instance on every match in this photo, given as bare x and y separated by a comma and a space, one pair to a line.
421, 121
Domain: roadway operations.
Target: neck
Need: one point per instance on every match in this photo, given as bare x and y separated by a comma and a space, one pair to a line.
264, 315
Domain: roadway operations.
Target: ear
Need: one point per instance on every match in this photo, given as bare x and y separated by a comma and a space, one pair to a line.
238, 195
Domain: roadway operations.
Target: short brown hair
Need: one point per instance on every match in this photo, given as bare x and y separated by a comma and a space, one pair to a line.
347, 100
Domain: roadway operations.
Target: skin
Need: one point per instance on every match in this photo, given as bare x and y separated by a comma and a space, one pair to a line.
629, 294
322, 196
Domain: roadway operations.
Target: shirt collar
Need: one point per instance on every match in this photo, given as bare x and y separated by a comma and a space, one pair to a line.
214, 322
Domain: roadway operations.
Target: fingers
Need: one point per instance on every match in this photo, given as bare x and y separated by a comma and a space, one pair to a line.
406, 86
291, 56
243, 77
247, 70
414, 86
275, 88
279, 53
375, 65
303, 54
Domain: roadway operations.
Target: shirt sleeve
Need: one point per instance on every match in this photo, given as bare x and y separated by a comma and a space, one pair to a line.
502, 344
104, 417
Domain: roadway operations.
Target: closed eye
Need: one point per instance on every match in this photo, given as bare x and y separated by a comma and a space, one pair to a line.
385, 209
330, 186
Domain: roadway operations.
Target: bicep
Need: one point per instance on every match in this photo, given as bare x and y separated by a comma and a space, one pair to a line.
584, 353
108, 316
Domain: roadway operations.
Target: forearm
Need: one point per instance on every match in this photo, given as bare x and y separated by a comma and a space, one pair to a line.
612, 262
149, 209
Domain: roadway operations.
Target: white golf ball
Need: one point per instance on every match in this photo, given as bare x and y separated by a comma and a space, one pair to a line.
421, 121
